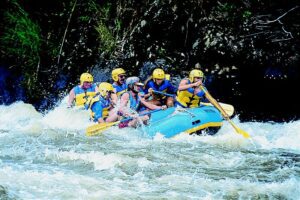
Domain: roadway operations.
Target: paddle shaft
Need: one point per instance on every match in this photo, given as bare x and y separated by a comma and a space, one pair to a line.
163, 93
229, 110
215, 103
97, 128
218, 106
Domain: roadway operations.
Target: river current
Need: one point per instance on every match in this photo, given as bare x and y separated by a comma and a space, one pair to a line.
48, 156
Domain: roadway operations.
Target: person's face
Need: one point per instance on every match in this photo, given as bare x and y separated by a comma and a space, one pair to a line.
159, 81
121, 78
138, 88
108, 94
87, 84
196, 79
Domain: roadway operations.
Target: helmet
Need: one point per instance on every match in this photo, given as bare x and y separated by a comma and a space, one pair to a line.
158, 73
195, 73
86, 77
116, 72
132, 80
105, 87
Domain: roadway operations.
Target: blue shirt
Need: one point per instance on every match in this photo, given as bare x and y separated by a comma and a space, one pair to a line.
166, 86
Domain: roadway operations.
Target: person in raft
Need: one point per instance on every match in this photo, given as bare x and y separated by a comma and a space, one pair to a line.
133, 101
82, 92
189, 93
158, 82
101, 104
118, 75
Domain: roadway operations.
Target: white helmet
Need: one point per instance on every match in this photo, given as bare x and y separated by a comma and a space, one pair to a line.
130, 81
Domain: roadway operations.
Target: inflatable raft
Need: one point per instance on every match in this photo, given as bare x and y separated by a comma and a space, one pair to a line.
171, 122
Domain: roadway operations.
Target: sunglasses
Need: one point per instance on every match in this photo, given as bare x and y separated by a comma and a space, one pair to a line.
122, 76
110, 92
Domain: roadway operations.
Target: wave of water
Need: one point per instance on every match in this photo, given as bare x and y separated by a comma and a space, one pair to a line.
47, 156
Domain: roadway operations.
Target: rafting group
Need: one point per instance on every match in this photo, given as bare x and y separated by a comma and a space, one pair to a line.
129, 103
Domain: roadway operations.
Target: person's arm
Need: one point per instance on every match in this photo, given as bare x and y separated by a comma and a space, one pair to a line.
114, 98
101, 120
71, 98
146, 96
152, 106
148, 91
184, 86
123, 103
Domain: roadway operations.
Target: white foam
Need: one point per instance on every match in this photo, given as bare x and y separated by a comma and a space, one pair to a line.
100, 160
35, 184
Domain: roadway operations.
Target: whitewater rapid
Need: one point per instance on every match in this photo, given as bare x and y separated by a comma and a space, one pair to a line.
48, 156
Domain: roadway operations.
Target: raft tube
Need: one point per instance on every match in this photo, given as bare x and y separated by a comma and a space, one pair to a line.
172, 121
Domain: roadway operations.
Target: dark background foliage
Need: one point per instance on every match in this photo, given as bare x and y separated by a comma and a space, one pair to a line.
249, 50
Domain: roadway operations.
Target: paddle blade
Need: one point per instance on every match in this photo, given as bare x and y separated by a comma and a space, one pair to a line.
229, 109
240, 131
219, 107
98, 128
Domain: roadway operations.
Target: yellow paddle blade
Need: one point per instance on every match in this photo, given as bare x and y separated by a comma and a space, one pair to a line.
218, 106
98, 128
229, 109
240, 131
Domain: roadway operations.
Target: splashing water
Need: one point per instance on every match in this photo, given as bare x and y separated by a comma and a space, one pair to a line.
47, 156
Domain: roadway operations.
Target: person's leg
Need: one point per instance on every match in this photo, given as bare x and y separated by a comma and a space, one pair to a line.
155, 102
170, 102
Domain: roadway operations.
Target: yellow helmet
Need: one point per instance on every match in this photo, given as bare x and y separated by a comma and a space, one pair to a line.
86, 77
158, 73
195, 73
105, 87
116, 72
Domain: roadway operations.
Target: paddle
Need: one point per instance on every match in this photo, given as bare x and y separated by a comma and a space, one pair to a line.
229, 109
98, 128
218, 106
163, 93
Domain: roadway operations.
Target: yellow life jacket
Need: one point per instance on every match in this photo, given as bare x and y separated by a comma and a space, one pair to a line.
188, 99
119, 94
81, 95
81, 99
104, 103
120, 89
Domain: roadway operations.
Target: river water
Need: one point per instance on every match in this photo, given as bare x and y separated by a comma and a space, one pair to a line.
48, 156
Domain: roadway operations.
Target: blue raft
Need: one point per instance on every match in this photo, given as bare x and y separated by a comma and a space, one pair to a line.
171, 122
